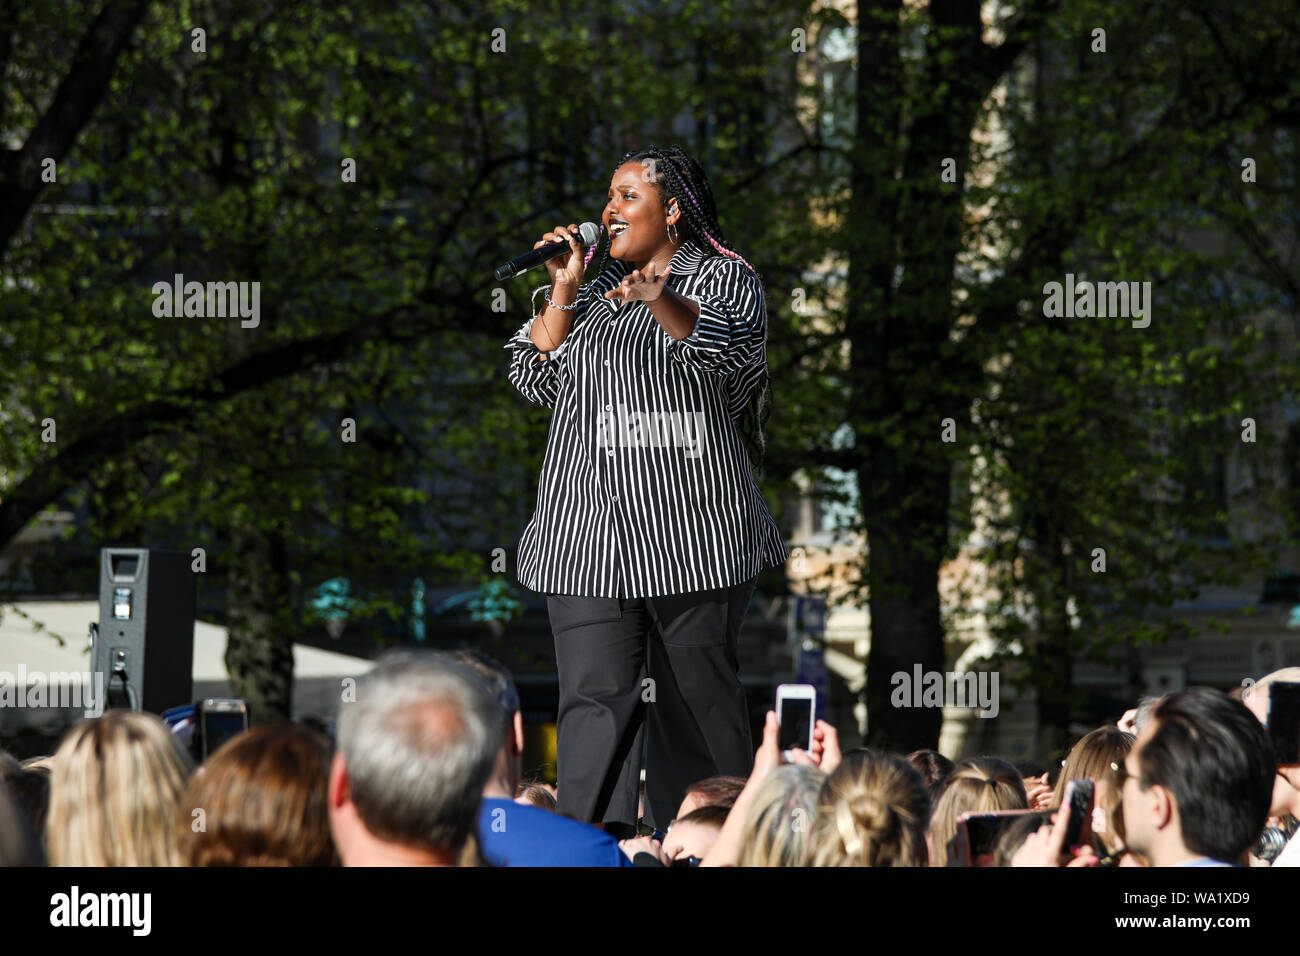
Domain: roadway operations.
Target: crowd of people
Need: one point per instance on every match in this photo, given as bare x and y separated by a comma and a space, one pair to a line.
426, 770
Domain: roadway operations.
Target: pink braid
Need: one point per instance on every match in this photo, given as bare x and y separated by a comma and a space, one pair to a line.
586, 261
728, 253
713, 242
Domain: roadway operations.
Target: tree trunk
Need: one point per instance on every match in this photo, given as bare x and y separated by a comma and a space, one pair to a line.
1055, 639
259, 655
1055, 666
906, 630
906, 232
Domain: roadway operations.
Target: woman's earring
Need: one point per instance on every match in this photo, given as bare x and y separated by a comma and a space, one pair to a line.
672, 234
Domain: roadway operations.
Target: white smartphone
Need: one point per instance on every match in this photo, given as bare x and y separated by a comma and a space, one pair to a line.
795, 706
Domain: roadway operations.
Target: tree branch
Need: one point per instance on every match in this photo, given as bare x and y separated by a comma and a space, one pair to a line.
74, 103
110, 436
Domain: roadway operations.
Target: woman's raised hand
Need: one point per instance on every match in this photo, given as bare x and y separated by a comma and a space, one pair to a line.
640, 285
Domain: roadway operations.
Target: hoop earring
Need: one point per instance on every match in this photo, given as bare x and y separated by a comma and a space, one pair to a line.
672, 233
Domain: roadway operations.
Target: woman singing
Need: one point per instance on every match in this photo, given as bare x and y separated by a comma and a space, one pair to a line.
650, 531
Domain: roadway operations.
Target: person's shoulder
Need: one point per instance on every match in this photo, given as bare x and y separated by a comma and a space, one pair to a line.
540, 834
720, 268
717, 262
549, 820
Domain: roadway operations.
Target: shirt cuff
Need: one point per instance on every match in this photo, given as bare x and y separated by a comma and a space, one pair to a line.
712, 333
526, 349
730, 331
521, 341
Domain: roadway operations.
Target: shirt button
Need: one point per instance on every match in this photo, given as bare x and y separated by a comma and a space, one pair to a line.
608, 407
609, 452
613, 497
607, 362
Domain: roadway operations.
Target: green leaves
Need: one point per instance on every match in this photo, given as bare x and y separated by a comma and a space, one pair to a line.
924, 299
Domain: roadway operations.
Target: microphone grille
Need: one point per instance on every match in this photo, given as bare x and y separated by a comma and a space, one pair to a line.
590, 232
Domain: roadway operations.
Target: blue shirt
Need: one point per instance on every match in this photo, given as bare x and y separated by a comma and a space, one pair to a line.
515, 834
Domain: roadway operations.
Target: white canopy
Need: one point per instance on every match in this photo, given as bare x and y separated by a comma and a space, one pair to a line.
52, 637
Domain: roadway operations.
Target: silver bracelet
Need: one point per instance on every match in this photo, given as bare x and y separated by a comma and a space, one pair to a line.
562, 308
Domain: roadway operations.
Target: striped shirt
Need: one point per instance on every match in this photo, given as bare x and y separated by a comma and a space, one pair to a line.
646, 487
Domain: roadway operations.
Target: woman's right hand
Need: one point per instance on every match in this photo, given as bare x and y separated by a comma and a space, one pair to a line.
565, 270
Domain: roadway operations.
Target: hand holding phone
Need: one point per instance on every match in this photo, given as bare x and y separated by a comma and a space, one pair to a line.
976, 841
1078, 797
1048, 846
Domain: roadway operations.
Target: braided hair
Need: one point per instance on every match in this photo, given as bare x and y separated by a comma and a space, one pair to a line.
677, 174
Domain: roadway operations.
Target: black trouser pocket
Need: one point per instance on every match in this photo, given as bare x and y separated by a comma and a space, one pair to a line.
568, 611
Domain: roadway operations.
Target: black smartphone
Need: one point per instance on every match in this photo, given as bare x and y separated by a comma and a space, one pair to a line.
976, 840
1079, 796
985, 829
1284, 721
217, 720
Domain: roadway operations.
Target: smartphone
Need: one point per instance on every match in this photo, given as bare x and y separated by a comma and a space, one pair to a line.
795, 706
217, 719
1284, 721
977, 834
1078, 796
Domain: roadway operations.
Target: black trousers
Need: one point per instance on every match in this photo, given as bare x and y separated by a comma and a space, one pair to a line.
665, 668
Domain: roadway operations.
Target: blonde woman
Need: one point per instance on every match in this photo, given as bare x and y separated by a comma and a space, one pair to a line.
770, 823
976, 785
873, 812
778, 828
115, 793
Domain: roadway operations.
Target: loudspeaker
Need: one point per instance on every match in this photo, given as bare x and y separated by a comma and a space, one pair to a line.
145, 645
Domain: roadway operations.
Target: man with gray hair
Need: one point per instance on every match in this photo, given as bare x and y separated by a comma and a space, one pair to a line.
414, 751
512, 834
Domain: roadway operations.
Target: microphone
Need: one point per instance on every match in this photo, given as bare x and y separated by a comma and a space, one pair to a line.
588, 233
